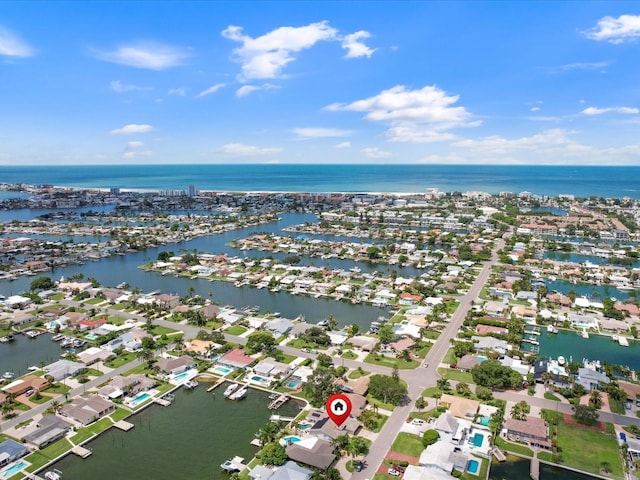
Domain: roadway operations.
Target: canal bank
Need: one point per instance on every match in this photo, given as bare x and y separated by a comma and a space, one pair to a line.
517, 468
189, 439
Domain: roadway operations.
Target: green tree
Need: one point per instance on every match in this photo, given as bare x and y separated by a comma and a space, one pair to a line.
443, 384
324, 360
463, 389
273, 454
492, 374
387, 389
357, 446
430, 437
421, 403
385, 334
520, 410
41, 283
320, 386
585, 414
260, 342
316, 335
595, 399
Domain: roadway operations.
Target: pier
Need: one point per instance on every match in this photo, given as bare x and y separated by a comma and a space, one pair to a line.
279, 418
535, 469
278, 402
216, 384
166, 400
81, 451
124, 426
499, 455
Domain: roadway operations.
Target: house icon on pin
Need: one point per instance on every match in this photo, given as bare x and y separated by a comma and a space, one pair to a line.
338, 406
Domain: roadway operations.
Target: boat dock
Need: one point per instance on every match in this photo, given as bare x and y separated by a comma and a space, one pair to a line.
278, 402
81, 451
623, 341
124, 426
279, 418
166, 400
535, 469
216, 384
234, 465
499, 455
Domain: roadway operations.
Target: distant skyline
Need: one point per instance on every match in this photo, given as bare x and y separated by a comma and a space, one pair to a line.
550, 83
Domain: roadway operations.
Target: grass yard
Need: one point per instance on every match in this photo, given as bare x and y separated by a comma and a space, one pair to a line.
408, 444
551, 396
390, 362
119, 414
380, 404
354, 375
302, 343
349, 355
514, 447
431, 392
116, 320
456, 375
450, 357
160, 330
286, 358
86, 433
124, 357
616, 406
235, 330
587, 449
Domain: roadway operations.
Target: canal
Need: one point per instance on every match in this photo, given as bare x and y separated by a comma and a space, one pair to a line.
188, 440
24, 352
517, 468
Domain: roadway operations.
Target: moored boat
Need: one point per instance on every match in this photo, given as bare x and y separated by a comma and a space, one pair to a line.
230, 389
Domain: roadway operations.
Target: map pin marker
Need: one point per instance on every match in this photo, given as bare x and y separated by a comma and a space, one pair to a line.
338, 408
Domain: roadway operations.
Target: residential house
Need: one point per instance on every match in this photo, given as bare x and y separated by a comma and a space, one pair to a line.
288, 471
532, 431
482, 344
94, 355
271, 369
129, 385
47, 430
324, 427
300, 328
467, 362
358, 386
175, 365
460, 407
401, 344
167, 301
591, 379
444, 456
85, 410
63, 369
313, 451
235, 359
416, 472
29, 382
279, 326
366, 344
10, 450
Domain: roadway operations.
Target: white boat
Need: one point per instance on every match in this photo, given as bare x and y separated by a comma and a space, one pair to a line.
585, 334
552, 278
57, 337
190, 384
561, 360
230, 389
240, 394
7, 375
551, 329
614, 338
53, 475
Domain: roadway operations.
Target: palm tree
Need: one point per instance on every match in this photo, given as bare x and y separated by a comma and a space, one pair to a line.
595, 399
443, 384
341, 443
357, 446
333, 322
268, 433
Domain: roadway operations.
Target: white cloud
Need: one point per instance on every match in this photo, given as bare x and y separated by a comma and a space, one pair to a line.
11, 45
245, 90
118, 86
615, 30
599, 111
266, 56
500, 145
131, 129
211, 89
151, 56
137, 153
242, 150
534, 109
374, 152
569, 67
320, 132
414, 115
355, 48
342, 145
181, 92
135, 144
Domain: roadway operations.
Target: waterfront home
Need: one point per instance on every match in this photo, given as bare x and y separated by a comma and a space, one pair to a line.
130, 385
591, 379
467, 362
532, 431
460, 407
167, 301
10, 450
495, 309
482, 344
94, 354
324, 427
515, 364
22, 385
540, 368
235, 359
366, 344
288, 471
47, 430
63, 369
484, 330
17, 302
415, 472
613, 325
444, 456
175, 365
255, 322
271, 369
210, 311
313, 451
582, 321
528, 314
300, 328
279, 326
86, 410
407, 298
401, 344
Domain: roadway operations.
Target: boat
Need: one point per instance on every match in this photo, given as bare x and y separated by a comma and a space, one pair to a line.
7, 375
230, 389
561, 360
57, 337
53, 475
323, 323
240, 394
233, 465
614, 338
551, 329
10, 337
190, 384
584, 334
32, 333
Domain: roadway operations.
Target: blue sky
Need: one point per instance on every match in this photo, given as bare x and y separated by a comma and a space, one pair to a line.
320, 82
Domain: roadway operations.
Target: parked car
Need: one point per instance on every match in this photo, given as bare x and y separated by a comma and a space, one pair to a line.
398, 468
359, 467
29, 392
393, 472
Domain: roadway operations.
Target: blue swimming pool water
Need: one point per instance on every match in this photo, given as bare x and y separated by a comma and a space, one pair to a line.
290, 439
478, 438
141, 397
472, 466
181, 376
14, 469
294, 383
304, 426
91, 336
259, 379
220, 369
482, 358
484, 421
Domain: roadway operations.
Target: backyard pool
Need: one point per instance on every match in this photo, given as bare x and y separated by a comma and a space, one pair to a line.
260, 380
477, 440
14, 469
473, 466
90, 336
181, 376
484, 421
289, 439
294, 383
220, 370
482, 358
138, 399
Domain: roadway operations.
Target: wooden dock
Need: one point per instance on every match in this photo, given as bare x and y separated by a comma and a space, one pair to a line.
535, 469
278, 402
280, 418
499, 455
81, 451
162, 401
216, 384
124, 426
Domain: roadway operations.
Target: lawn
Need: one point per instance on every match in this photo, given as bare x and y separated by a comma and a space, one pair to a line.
119, 414
56, 449
378, 403
302, 343
431, 392
423, 349
616, 406
120, 306
41, 400
551, 396
357, 374
160, 330
124, 357
456, 375
451, 306
349, 355
235, 330
587, 449
86, 433
58, 389
94, 301
116, 320
450, 357
390, 362
513, 447
408, 444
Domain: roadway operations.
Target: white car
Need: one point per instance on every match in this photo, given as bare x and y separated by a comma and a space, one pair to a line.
393, 472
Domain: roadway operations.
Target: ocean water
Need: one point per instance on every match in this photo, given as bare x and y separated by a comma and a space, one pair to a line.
581, 181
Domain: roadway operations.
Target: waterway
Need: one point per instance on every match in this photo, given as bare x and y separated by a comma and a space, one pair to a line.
24, 352
188, 440
582, 258
596, 292
516, 468
597, 347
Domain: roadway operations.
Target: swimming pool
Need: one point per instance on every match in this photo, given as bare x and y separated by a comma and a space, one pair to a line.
14, 469
138, 399
304, 426
482, 358
478, 438
90, 336
484, 421
293, 382
181, 376
260, 380
473, 466
289, 439
222, 370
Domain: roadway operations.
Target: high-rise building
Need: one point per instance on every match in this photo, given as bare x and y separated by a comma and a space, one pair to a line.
192, 191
